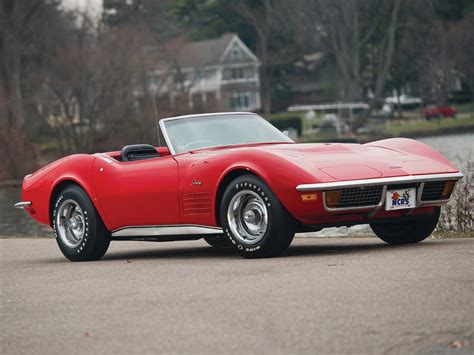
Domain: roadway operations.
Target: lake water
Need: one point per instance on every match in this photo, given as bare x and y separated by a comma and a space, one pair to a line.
457, 148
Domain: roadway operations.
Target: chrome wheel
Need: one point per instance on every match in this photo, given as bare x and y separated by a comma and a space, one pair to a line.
248, 217
70, 223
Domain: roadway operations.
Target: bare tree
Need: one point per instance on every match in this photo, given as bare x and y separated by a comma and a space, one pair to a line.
462, 43
386, 48
91, 93
270, 20
352, 30
21, 22
174, 86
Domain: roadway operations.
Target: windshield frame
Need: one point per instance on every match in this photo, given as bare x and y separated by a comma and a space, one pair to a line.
162, 124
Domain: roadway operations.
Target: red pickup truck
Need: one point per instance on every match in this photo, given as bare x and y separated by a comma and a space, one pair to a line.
433, 111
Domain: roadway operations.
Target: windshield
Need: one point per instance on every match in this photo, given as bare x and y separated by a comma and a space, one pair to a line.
191, 133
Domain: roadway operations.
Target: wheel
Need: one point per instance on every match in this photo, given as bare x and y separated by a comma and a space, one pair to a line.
407, 232
218, 241
253, 219
79, 230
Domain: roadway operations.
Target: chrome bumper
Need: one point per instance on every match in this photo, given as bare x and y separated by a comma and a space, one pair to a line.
22, 205
378, 181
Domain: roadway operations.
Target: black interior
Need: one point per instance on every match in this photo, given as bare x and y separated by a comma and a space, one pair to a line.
138, 152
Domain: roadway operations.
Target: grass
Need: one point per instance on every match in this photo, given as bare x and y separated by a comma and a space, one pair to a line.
411, 127
452, 235
403, 128
306, 124
284, 115
465, 108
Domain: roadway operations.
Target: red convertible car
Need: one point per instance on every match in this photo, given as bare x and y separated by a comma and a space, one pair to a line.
234, 179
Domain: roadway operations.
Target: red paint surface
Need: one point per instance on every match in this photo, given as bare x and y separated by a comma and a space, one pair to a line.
182, 189
440, 111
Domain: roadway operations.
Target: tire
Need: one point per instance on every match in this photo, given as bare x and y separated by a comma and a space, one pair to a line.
407, 232
253, 219
79, 230
217, 241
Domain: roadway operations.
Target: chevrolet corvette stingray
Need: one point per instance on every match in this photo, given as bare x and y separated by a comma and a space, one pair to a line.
235, 180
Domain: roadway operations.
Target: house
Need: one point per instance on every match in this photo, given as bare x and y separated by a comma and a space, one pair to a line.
220, 74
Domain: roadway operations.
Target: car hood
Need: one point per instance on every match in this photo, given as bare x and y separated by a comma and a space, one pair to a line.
337, 161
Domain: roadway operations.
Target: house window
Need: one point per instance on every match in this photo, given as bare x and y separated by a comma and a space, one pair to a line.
209, 74
237, 73
199, 76
236, 51
457, 83
155, 79
240, 100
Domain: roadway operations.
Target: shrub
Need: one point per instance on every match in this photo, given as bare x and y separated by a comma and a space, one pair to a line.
458, 215
286, 122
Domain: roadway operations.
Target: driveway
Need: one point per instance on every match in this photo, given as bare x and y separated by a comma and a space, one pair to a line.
344, 295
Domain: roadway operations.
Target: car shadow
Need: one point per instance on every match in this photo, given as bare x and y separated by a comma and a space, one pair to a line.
296, 250
350, 248
188, 252
302, 248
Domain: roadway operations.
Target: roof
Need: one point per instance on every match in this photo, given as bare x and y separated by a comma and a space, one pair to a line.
202, 53
311, 61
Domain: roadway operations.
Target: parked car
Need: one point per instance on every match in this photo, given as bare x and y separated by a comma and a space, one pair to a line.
235, 180
330, 123
433, 111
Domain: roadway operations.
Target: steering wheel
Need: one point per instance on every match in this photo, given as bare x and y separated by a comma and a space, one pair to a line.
198, 144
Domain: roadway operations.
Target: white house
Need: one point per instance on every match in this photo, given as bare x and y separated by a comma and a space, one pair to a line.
221, 72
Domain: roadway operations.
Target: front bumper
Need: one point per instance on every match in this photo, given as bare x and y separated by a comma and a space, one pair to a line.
22, 204
418, 181
378, 181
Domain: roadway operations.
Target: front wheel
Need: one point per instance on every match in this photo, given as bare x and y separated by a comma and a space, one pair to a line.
407, 232
79, 230
253, 219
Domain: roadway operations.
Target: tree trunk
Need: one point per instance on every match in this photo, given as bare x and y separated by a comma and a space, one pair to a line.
386, 59
399, 104
12, 76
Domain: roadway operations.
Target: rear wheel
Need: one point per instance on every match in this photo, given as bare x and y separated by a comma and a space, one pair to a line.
79, 230
407, 232
253, 219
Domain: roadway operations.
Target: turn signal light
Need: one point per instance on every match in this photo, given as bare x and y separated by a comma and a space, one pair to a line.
332, 198
448, 189
309, 197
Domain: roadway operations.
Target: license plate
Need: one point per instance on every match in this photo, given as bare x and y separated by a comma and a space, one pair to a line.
400, 199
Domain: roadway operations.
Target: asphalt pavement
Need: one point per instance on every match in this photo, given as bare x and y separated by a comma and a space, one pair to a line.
325, 296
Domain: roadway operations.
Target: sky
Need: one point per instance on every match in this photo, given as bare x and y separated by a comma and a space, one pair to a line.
93, 7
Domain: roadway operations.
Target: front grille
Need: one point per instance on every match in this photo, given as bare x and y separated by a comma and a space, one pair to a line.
433, 191
401, 186
360, 196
